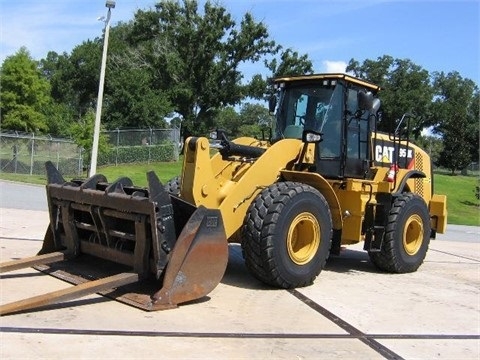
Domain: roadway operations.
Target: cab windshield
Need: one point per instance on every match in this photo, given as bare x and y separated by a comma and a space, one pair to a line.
308, 107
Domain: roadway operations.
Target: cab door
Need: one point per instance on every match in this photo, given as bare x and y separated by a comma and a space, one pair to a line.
357, 130
330, 151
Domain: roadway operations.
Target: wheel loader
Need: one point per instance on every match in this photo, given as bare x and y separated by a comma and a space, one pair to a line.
324, 178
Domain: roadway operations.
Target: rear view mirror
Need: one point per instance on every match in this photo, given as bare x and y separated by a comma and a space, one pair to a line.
272, 104
365, 100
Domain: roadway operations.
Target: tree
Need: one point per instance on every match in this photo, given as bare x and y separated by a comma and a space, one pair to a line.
24, 94
433, 145
454, 111
405, 87
82, 133
288, 63
173, 58
59, 119
227, 119
58, 70
253, 120
132, 98
75, 77
131, 101
196, 56
473, 113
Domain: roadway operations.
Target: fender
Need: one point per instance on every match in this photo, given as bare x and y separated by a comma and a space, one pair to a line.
322, 185
411, 174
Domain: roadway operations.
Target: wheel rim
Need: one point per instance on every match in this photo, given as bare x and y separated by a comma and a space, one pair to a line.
303, 238
413, 234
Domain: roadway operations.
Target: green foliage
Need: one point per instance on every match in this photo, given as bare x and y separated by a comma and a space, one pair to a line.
137, 154
174, 57
24, 118
456, 151
288, 63
473, 114
405, 89
24, 94
179, 58
228, 120
199, 54
82, 133
458, 124
253, 120
59, 119
433, 145
74, 78
446, 103
132, 101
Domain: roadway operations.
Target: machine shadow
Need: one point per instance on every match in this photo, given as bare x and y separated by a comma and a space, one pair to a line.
350, 260
238, 275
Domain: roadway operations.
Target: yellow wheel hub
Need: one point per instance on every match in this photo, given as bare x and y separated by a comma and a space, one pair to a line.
303, 238
413, 234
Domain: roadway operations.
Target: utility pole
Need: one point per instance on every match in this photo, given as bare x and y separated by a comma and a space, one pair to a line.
96, 132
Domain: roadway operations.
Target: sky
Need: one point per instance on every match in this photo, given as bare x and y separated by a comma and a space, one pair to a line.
438, 35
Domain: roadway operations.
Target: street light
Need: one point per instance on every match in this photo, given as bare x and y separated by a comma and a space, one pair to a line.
110, 4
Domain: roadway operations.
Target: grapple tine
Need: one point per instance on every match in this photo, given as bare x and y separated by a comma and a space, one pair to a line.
72, 292
53, 175
118, 185
197, 262
32, 261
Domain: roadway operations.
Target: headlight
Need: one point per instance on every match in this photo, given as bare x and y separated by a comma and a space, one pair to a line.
311, 137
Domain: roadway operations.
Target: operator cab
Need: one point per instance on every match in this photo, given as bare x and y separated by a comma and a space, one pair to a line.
339, 107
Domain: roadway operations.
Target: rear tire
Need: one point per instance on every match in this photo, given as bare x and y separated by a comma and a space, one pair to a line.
287, 235
407, 236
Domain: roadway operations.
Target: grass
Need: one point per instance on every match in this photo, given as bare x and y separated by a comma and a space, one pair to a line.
463, 207
136, 172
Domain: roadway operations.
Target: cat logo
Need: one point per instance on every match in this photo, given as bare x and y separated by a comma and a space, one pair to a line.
385, 154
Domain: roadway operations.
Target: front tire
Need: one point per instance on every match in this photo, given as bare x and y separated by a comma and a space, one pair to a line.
287, 235
407, 236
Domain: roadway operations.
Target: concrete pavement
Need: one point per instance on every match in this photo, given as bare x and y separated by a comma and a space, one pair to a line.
351, 312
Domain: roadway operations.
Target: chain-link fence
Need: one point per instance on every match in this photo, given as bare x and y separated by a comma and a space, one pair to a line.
141, 145
26, 153
22, 153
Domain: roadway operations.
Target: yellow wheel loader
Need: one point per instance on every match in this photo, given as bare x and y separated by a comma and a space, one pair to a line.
325, 177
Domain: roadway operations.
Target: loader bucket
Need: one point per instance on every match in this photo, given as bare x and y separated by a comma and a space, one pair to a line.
143, 247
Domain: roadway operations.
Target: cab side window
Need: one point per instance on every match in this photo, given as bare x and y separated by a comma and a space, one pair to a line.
357, 128
331, 126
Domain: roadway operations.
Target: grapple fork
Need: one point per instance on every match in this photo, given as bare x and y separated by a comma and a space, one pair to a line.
140, 246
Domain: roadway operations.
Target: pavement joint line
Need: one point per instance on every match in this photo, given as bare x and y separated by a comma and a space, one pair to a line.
459, 256
19, 238
146, 333
366, 339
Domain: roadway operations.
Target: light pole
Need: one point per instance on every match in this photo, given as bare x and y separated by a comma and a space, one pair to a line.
110, 4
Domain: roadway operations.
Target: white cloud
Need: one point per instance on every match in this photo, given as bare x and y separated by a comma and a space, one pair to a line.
43, 26
331, 66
